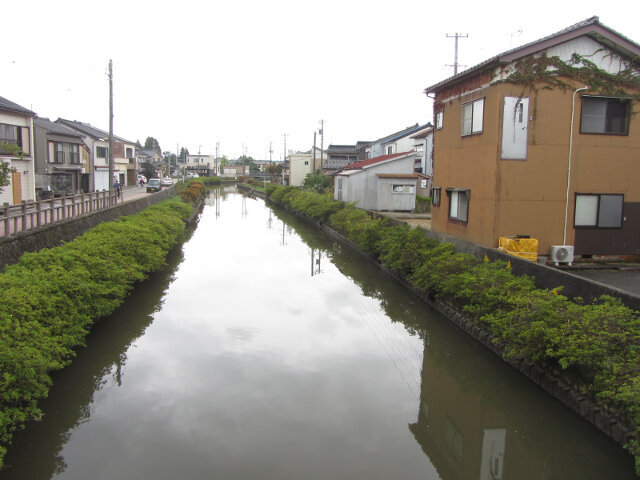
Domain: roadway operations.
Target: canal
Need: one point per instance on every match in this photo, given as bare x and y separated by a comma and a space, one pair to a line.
266, 350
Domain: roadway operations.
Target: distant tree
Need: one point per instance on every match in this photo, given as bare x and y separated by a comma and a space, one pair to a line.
138, 144
148, 170
183, 155
275, 169
152, 144
317, 181
169, 157
224, 162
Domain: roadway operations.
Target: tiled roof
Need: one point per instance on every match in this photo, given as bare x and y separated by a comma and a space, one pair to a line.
335, 163
338, 149
57, 128
90, 130
590, 26
85, 128
373, 161
14, 107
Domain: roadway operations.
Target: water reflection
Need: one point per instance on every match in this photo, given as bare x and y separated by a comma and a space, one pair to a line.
477, 418
297, 362
71, 400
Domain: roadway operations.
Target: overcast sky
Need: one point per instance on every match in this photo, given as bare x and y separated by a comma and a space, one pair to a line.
245, 72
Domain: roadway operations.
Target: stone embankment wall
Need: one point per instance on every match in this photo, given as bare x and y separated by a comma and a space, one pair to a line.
52, 235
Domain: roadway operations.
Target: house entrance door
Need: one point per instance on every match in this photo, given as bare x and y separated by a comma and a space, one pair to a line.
16, 182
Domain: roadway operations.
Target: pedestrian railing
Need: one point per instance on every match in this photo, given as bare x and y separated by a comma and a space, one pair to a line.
29, 214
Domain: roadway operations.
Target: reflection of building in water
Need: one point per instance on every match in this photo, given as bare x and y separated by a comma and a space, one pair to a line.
316, 257
466, 437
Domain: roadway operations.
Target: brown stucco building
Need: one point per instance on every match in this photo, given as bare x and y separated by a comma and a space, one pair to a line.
534, 142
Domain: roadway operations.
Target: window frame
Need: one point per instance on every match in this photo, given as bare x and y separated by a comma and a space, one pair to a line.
17, 130
608, 99
598, 210
99, 149
74, 153
474, 130
439, 119
458, 216
403, 189
58, 152
436, 196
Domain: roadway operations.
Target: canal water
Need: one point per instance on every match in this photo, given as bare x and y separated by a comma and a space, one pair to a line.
265, 350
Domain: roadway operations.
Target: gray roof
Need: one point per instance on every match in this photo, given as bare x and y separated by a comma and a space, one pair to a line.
591, 27
14, 107
90, 130
341, 149
56, 128
336, 163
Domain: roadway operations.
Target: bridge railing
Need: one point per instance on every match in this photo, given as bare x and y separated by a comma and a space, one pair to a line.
32, 214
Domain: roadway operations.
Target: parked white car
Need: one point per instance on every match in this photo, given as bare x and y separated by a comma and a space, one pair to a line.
167, 182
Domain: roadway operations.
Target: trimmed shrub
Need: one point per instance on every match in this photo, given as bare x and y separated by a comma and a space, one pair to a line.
50, 299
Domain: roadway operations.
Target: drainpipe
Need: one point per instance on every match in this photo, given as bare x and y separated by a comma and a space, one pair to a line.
566, 206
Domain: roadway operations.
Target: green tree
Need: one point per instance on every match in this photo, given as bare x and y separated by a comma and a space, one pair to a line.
5, 167
317, 181
152, 144
224, 162
274, 169
147, 169
183, 155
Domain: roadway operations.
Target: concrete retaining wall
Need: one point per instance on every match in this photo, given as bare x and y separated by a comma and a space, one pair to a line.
544, 276
52, 235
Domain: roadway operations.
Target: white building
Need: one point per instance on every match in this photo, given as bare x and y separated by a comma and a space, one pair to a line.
16, 128
386, 183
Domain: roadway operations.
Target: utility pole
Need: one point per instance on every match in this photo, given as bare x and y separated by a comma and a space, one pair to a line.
314, 151
321, 141
270, 152
284, 159
110, 125
455, 58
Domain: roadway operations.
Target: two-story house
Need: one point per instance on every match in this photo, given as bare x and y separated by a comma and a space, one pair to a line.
542, 141
62, 160
397, 142
97, 141
302, 164
16, 151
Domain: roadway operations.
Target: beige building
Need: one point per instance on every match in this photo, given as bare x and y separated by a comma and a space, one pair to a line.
533, 142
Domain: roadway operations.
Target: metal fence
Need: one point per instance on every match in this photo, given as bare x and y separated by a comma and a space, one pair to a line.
29, 214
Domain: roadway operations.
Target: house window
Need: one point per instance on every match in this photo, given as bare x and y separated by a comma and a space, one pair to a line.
458, 204
74, 153
403, 188
9, 134
419, 149
129, 152
390, 150
435, 196
306, 162
439, 119
605, 115
472, 114
339, 189
598, 210
58, 153
102, 152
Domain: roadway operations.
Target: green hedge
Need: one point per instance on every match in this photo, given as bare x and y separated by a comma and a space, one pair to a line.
50, 299
597, 345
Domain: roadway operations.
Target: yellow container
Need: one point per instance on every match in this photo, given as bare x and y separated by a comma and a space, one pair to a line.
526, 248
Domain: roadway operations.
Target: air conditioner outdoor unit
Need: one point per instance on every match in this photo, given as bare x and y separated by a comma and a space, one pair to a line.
561, 254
